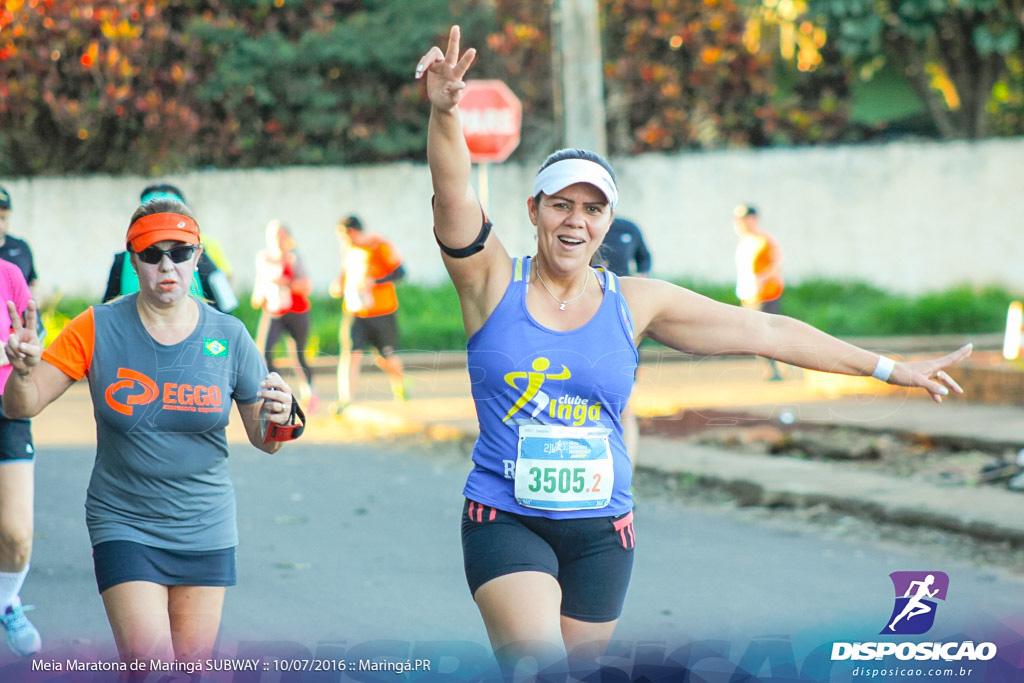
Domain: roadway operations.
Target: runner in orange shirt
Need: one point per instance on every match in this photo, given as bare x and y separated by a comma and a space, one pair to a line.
759, 282
370, 267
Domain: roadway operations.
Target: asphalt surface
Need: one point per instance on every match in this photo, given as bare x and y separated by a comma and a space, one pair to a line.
352, 551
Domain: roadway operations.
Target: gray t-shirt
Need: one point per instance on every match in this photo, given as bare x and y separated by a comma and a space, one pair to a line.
161, 472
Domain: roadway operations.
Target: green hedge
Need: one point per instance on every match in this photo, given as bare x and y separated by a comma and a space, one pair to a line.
857, 309
430, 319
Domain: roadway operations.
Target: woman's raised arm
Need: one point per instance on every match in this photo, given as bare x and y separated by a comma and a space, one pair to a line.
478, 264
456, 208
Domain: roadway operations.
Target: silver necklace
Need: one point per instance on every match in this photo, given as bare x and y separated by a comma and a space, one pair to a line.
563, 302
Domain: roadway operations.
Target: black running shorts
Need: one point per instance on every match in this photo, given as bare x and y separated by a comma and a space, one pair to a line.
15, 439
592, 558
380, 331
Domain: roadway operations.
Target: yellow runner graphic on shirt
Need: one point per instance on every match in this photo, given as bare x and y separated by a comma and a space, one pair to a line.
534, 381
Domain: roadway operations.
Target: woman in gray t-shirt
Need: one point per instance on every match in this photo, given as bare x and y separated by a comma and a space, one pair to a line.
164, 369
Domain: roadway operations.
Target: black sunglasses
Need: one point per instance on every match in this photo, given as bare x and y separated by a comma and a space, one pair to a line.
154, 255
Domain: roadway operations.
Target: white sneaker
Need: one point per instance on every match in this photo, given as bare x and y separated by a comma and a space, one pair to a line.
22, 637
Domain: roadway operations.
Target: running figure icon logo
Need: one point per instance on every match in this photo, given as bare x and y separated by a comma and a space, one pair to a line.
916, 595
531, 392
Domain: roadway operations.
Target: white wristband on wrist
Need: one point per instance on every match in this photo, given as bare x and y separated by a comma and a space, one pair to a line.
883, 369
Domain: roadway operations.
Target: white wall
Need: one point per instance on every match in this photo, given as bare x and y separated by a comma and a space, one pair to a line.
909, 217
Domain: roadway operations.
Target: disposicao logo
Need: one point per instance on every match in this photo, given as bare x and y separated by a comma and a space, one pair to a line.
913, 613
916, 595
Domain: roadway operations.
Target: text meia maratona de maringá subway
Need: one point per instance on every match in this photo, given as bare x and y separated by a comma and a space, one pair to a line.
78, 665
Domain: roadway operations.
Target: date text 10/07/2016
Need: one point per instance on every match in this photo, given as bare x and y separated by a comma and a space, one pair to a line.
382, 665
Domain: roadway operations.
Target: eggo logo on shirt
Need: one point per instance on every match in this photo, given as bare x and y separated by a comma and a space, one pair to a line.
191, 397
129, 380
135, 388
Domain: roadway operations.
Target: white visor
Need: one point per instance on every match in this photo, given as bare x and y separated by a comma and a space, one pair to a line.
566, 172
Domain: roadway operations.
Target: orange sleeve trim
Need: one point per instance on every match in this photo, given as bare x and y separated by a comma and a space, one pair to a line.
71, 351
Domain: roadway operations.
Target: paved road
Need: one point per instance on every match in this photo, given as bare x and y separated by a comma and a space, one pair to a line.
347, 546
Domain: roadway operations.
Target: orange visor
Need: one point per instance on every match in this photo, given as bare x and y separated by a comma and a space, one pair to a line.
158, 227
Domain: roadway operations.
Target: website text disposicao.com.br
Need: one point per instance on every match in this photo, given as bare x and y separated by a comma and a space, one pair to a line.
909, 672
955, 660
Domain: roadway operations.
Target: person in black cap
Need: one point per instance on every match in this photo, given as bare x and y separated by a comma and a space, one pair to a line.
624, 249
625, 253
14, 249
210, 282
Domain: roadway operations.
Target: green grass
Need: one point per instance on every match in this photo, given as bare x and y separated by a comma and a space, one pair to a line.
430, 319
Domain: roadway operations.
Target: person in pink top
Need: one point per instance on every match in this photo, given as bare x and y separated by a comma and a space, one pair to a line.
17, 470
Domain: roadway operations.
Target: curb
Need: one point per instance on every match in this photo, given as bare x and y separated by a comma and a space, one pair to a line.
766, 481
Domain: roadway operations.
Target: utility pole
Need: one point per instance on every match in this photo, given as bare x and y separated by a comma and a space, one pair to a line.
579, 74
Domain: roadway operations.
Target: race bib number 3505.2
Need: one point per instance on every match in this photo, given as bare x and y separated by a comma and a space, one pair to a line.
564, 468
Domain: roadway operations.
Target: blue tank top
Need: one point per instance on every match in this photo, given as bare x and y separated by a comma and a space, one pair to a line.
524, 375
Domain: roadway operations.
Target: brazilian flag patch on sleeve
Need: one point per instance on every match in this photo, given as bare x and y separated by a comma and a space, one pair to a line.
215, 347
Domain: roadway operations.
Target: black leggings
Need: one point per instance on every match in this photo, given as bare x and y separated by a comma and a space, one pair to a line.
297, 325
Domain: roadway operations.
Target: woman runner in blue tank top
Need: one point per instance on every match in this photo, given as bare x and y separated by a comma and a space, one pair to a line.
547, 526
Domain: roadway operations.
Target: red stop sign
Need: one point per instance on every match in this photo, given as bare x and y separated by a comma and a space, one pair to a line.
491, 117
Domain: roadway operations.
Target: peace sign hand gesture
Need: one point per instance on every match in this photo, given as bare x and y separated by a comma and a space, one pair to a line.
445, 72
23, 346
